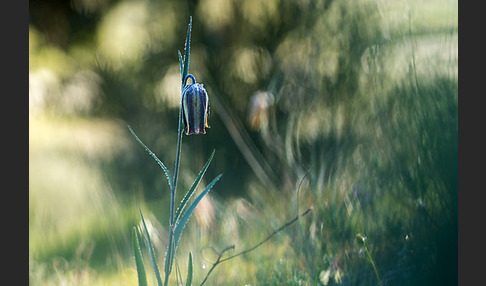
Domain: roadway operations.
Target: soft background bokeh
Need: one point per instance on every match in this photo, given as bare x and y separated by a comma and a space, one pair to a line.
364, 94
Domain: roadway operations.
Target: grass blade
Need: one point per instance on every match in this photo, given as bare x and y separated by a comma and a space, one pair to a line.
189, 271
151, 251
189, 193
142, 278
166, 171
185, 217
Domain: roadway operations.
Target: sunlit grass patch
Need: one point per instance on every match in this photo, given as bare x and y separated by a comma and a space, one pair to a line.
75, 220
68, 272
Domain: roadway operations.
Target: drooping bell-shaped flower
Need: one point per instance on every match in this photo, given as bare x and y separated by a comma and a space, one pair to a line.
195, 108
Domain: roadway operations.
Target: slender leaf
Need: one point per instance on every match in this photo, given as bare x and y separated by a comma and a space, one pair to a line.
185, 217
166, 171
151, 251
189, 271
142, 278
189, 193
187, 49
182, 69
179, 227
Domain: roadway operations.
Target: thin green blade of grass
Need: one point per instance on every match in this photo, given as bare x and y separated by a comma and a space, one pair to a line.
142, 278
189, 271
187, 214
164, 168
189, 193
151, 251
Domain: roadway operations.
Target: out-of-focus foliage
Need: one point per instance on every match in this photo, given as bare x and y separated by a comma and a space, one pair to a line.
362, 93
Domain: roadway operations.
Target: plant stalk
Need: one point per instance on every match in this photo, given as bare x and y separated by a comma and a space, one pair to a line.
171, 243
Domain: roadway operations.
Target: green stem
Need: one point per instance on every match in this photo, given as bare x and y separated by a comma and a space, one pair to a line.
170, 246
184, 71
176, 168
373, 264
370, 258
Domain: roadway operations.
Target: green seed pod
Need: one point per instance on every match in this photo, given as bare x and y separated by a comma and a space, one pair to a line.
195, 107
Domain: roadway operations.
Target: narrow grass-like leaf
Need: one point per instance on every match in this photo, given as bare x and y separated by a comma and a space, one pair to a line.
189, 193
166, 171
189, 271
151, 251
181, 62
187, 49
185, 217
179, 227
142, 278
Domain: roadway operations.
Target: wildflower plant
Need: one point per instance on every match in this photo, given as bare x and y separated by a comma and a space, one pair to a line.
193, 119
193, 114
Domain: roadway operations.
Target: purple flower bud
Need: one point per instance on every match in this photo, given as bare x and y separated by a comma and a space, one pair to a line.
195, 108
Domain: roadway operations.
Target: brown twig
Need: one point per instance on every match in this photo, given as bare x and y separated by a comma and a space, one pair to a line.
298, 190
219, 260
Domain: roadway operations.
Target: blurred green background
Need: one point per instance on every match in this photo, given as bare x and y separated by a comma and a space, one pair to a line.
363, 94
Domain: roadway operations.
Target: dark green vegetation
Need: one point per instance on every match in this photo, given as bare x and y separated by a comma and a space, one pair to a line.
362, 93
